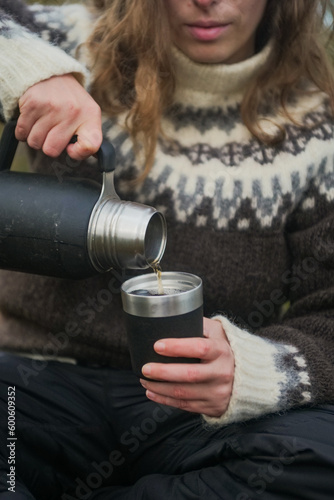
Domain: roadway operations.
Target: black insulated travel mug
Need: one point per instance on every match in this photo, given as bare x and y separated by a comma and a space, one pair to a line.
150, 315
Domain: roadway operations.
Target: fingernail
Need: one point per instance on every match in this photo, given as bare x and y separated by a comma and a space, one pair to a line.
150, 395
146, 369
159, 346
143, 383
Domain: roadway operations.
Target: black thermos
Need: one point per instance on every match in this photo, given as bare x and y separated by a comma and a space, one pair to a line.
72, 229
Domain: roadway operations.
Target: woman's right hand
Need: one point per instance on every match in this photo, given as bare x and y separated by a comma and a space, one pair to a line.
54, 110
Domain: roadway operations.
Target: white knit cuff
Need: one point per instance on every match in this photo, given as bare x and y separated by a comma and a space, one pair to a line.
257, 380
24, 62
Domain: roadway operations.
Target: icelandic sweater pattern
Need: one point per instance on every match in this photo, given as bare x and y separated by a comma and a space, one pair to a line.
255, 222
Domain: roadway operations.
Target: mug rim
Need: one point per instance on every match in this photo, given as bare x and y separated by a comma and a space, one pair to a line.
174, 304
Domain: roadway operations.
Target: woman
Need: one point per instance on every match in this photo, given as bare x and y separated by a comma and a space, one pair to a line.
221, 116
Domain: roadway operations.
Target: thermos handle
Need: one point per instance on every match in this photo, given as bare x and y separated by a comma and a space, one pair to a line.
8, 145
106, 155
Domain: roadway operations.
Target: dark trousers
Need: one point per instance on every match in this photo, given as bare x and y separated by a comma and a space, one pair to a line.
75, 432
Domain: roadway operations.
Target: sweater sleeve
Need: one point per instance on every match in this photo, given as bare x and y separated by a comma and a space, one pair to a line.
38, 42
290, 363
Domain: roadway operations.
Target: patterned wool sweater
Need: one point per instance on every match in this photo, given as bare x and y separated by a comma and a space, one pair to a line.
255, 222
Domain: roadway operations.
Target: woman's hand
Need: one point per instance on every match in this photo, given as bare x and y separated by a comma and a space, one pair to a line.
203, 387
54, 110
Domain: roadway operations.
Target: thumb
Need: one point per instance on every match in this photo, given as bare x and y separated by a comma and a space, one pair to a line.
85, 145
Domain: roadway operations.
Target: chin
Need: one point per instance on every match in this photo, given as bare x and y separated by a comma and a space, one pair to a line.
205, 55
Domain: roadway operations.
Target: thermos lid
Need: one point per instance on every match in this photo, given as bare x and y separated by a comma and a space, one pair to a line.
183, 294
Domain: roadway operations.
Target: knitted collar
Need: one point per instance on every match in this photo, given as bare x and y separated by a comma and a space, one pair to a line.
213, 80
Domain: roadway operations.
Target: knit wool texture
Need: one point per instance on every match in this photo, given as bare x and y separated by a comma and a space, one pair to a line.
255, 222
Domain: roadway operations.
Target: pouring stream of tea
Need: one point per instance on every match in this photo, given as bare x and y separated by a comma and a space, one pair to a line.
157, 270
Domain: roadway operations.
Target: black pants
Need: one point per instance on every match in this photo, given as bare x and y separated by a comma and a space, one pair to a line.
73, 432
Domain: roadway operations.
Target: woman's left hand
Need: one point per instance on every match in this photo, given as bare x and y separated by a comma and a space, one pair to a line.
204, 387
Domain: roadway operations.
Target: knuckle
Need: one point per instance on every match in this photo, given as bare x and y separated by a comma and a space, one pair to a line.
33, 143
193, 375
178, 393
182, 404
229, 372
46, 106
223, 392
52, 108
73, 110
51, 151
203, 347
21, 132
29, 104
40, 107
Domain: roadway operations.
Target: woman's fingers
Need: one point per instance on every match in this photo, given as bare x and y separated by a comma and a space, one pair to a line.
193, 347
203, 387
206, 397
184, 402
190, 373
54, 110
196, 347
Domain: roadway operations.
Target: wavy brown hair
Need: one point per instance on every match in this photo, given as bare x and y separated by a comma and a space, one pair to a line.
130, 47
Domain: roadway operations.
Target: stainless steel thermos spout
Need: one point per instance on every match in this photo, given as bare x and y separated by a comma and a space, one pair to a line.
72, 229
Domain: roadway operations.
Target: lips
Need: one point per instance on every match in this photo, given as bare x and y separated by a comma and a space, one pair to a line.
206, 30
